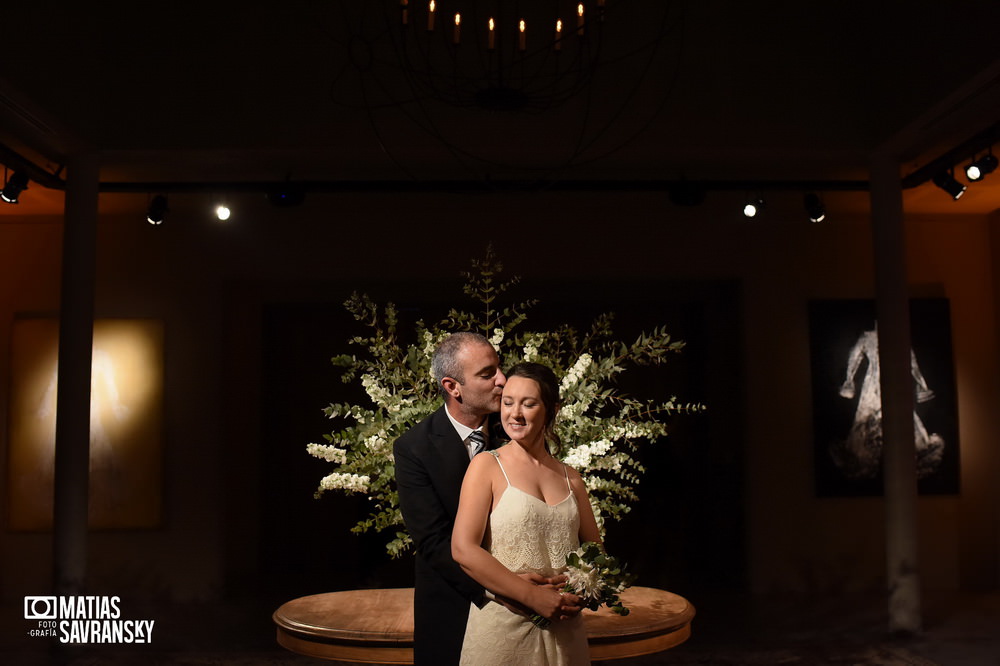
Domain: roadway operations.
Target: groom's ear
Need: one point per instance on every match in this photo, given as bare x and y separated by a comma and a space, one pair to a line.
451, 387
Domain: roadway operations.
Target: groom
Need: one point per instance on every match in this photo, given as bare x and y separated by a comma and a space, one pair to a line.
431, 459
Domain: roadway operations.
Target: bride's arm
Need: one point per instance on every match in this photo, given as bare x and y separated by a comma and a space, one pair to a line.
467, 538
589, 531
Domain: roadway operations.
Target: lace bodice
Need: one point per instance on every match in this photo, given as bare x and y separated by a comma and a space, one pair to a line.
526, 534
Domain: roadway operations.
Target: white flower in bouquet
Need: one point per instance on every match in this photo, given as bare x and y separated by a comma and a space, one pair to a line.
585, 581
596, 577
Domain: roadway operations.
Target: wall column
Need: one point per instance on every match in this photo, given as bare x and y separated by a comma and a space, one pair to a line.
76, 333
899, 451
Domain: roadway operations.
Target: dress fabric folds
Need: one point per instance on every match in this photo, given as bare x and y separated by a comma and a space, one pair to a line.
527, 535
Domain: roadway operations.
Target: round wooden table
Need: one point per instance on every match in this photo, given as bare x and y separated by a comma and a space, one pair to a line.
376, 626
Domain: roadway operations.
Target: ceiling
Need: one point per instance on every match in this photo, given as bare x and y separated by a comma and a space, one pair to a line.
231, 94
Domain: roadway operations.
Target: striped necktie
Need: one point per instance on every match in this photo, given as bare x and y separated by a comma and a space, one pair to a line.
477, 442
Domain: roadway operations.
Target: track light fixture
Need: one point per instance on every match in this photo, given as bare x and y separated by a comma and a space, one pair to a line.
981, 168
814, 207
157, 209
753, 207
946, 181
16, 184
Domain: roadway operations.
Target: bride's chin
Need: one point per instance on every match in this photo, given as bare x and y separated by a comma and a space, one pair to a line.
516, 435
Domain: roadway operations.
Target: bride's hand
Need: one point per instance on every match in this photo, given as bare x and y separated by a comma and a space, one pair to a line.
571, 605
568, 606
548, 602
553, 583
558, 580
535, 578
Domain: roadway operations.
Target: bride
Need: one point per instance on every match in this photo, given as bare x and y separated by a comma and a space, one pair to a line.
521, 511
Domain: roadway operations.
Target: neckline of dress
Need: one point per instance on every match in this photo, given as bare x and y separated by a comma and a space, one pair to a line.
537, 499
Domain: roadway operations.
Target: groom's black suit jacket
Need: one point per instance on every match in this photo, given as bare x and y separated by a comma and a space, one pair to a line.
430, 463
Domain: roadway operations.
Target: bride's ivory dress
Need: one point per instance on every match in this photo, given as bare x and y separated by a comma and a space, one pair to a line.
526, 534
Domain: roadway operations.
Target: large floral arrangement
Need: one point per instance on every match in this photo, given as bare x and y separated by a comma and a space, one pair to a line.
602, 425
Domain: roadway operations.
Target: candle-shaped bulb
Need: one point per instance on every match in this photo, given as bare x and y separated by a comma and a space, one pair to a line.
492, 36
579, 19
557, 43
521, 43
458, 27
430, 14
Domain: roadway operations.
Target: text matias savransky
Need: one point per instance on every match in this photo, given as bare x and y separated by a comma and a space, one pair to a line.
85, 620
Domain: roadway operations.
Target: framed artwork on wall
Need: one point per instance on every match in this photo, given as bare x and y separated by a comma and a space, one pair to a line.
125, 423
847, 403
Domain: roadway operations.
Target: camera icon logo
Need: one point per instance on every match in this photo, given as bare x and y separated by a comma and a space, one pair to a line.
40, 608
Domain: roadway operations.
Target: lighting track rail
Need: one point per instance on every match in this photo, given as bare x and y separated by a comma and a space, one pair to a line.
975, 144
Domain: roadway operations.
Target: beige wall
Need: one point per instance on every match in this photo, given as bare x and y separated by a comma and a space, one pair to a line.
208, 283
800, 543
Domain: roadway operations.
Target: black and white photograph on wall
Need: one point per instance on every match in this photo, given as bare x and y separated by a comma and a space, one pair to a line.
847, 398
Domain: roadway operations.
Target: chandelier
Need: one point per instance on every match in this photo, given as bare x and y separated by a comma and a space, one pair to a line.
445, 63
524, 57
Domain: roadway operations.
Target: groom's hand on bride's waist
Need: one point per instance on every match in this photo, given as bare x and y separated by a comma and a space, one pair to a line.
569, 603
517, 607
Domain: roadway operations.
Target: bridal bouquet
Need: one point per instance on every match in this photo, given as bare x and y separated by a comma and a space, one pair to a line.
596, 577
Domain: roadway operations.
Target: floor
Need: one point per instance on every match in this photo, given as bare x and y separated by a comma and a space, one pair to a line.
728, 630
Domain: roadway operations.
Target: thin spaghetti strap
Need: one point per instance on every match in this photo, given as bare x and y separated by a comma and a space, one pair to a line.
497, 456
565, 473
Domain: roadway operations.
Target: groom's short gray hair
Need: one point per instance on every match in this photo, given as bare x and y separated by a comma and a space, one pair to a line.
444, 362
